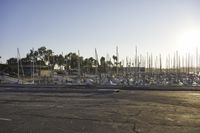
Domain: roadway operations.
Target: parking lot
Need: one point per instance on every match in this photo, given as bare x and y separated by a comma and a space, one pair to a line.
100, 112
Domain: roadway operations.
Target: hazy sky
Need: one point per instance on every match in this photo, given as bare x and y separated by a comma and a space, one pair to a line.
157, 26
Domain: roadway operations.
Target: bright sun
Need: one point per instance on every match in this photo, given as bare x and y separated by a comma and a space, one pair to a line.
189, 40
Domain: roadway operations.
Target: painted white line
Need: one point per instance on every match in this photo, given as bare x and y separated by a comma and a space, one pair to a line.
5, 119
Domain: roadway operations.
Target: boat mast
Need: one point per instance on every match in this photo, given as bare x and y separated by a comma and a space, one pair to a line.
117, 54
96, 62
136, 57
160, 64
79, 68
196, 70
18, 64
33, 66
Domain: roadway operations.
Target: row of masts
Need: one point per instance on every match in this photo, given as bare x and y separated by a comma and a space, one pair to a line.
172, 63
175, 63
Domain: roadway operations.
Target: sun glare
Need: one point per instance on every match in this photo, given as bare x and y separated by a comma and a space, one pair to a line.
189, 40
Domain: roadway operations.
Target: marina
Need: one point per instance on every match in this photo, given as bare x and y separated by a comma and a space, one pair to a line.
100, 66
73, 69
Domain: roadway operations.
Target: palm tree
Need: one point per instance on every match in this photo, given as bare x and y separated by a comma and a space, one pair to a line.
115, 60
103, 64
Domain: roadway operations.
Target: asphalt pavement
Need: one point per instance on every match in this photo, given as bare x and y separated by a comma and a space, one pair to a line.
100, 111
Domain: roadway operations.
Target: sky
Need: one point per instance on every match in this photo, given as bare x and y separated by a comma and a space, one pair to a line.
154, 26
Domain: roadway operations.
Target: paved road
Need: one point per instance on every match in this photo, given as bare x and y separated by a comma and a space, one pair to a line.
100, 112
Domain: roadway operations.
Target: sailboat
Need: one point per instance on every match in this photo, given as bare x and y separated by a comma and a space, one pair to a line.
19, 63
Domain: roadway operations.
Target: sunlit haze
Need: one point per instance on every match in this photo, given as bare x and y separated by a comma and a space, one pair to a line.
157, 26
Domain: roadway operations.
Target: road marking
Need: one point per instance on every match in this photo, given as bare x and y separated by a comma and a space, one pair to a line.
5, 119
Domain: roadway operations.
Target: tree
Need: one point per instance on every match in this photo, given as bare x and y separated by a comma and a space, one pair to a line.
41, 52
91, 61
12, 61
12, 66
72, 60
88, 64
103, 64
48, 56
109, 63
60, 60
103, 60
85, 65
66, 62
25, 61
41, 55
115, 60
30, 57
